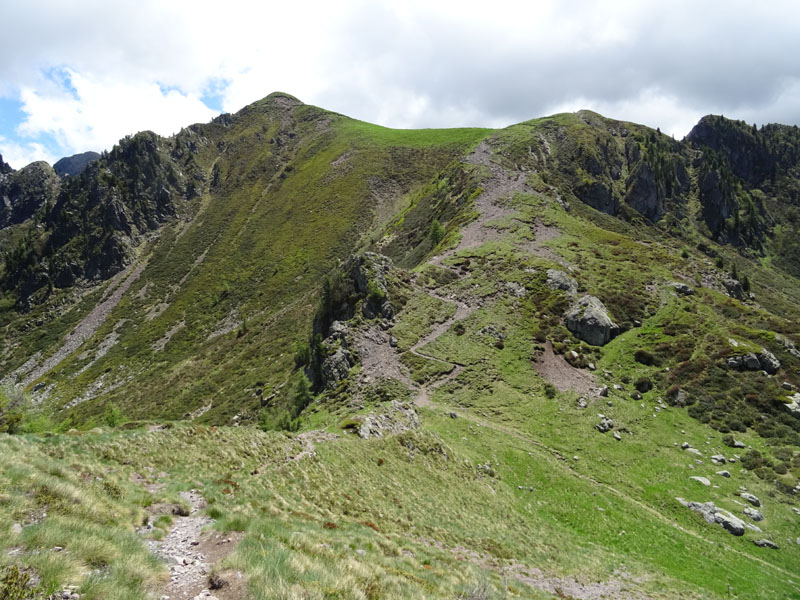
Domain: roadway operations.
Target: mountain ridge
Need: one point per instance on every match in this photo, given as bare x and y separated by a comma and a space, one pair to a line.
553, 360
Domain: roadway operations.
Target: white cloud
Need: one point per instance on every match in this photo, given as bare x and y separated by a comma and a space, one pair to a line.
98, 113
18, 155
410, 64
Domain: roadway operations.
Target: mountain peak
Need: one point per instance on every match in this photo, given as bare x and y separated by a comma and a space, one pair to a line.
75, 164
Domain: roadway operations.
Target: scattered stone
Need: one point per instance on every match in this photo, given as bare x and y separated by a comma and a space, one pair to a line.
685, 445
796, 510
605, 425
726, 474
636, 395
618, 387
603, 392
681, 288
766, 544
396, 418
753, 513
694, 451
16, 529
617, 436
453, 415
588, 319
702, 480
393, 341
750, 498
788, 345
788, 386
581, 402
718, 459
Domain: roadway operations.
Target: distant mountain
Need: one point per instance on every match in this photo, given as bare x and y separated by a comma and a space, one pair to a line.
75, 164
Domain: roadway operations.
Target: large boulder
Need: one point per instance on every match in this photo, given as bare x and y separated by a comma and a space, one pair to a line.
588, 320
764, 360
734, 288
681, 288
750, 498
558, 280
768, 361
788, 345
712, 514
793, 404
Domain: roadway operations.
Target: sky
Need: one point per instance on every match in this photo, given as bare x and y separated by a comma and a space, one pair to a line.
79, 75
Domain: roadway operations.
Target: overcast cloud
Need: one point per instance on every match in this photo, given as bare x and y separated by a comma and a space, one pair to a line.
79, 75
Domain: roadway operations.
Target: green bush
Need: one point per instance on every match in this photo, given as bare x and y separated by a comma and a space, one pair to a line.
302, 354
645, 357
436, 232
375, 293
17, 584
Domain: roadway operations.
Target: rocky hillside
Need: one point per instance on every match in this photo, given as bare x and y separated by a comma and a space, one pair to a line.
554, 360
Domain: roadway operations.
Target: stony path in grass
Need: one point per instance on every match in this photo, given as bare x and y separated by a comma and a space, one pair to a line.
378, 358
190, 552
499, 185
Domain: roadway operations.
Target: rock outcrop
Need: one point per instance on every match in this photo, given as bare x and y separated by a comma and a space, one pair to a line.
558, 280
24, 192
368, 272
588, 319
712, 514
681, 288
764, 360
394, 419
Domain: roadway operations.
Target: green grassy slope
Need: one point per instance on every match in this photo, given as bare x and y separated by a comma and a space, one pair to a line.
504, 488
226, 291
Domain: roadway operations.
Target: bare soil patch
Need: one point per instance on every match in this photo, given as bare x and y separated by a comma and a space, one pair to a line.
563, 375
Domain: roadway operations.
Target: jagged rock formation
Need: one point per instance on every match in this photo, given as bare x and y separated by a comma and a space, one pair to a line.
26, 191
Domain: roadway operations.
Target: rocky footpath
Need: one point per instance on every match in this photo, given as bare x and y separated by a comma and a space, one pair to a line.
190, 553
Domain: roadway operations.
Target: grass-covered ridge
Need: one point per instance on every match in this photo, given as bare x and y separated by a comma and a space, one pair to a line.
417, 420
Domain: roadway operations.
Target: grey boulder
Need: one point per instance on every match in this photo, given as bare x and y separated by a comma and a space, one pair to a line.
712, 514
588, 320
681, 288
750, 498
558, 280
753, 513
